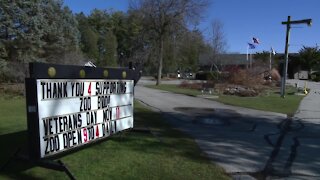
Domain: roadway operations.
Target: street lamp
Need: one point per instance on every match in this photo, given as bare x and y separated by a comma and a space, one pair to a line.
285, 67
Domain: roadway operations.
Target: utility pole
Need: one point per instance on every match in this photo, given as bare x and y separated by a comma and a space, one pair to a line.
285, 66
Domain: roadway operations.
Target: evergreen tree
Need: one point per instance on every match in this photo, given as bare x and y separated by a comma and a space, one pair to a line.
309, 57
20, 29
61, 32
36, 30
89, 38
90, 42
109, 49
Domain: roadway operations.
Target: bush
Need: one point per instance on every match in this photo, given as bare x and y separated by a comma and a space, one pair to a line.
315, 76
172, 75
240, 91
15, 89
245, 83
245, 78
14, 72
201, 76
3, 70
206, 75
275, 75
186, 84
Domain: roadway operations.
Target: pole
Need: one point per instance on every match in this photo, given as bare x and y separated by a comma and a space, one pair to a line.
270, 62
285, 67
247, 55
250, 59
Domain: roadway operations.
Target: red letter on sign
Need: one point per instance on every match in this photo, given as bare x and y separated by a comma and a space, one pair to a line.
85, 135
89, 89
97, 131
117, 112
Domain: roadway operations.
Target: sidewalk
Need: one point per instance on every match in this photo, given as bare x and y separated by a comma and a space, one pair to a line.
309, 109
305, 139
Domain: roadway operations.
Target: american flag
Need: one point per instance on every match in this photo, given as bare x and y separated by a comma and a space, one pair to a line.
256, 40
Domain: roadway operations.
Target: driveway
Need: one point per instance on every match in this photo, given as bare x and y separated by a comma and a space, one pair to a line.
244, 142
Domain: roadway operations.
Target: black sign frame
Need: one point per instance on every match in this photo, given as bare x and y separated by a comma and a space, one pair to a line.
54, 71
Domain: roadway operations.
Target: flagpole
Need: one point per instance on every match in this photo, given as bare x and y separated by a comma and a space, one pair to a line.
250, 57
250, 51
250, 54
247, 55
270, 62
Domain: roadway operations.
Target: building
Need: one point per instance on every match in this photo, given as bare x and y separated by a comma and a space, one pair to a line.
223, 61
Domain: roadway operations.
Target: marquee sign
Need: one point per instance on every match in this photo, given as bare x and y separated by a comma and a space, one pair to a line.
67, 113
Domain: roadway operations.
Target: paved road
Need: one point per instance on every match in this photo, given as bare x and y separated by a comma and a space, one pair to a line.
242, 141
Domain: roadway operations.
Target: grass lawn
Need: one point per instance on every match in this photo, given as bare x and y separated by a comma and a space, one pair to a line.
269, 101
273, 102
130, 155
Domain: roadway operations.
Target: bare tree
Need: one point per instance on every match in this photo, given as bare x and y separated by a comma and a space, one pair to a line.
162, 17
218, 44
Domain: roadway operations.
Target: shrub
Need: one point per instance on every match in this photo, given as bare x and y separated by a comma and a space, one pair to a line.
240, 91
240, 77
211, 76
246, 83
14, 72
315, 76
245, 78
16, 89
202, 76
275, 75
186, 84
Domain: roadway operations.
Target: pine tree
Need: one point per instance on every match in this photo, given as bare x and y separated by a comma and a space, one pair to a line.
109, 50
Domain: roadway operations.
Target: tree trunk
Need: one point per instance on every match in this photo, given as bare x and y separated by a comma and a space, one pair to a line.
160, 61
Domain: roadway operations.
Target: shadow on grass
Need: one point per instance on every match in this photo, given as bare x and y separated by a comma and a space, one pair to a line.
10, 144
14, 155
164, 139
163, 144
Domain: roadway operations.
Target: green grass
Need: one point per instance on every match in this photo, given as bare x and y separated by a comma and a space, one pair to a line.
273, 102
130, 155
268, 101
13, 113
